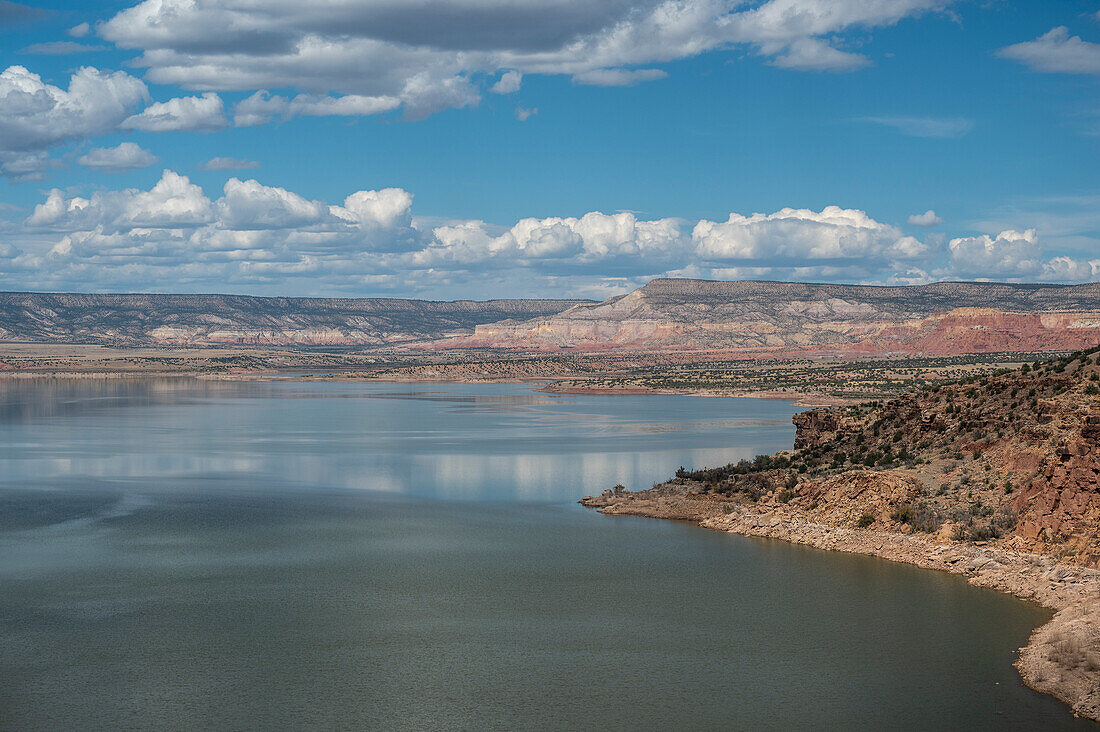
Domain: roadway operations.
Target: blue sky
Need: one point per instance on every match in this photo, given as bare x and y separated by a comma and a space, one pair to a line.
626, 136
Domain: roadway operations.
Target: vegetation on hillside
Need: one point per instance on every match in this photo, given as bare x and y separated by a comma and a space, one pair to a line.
972, 448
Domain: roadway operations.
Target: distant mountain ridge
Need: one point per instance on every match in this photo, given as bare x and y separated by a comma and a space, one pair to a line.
212, 320
784, 317
750, 318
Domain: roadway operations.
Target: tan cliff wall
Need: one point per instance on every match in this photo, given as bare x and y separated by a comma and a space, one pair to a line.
950, 333
788, 318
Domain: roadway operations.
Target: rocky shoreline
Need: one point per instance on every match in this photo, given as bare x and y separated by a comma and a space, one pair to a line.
1062, 658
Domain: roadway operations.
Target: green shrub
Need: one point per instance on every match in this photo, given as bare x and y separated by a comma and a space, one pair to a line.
865, 520
903, 514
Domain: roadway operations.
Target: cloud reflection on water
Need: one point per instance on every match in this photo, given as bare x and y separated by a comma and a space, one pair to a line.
460, 441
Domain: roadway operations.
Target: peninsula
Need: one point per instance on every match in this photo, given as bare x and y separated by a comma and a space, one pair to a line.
994, 477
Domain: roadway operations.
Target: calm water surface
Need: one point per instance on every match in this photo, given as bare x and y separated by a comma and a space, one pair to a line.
176, 555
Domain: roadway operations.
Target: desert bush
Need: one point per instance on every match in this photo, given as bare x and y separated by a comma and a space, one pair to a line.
743, 467
902, 514
1070, 652
921, 517
970, 529
977, 509
1004, 520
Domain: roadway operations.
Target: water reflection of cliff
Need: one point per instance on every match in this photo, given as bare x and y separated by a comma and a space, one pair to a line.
496, 442
25, 400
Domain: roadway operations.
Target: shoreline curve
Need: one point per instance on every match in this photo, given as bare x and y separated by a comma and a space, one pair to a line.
1058, 659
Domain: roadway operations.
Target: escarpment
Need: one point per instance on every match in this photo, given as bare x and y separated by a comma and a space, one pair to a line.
781, 318
233, 320
744, 319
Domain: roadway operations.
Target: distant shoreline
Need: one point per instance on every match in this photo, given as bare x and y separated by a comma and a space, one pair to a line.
798, 398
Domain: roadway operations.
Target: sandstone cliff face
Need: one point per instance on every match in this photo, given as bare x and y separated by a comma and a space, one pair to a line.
203, 320
1060, 509
773, 317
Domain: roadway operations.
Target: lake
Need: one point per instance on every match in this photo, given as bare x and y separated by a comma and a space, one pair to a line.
177, 554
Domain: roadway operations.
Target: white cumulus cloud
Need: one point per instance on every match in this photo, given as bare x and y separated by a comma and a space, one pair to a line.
594, 237
1010, 252
927, 219
36, 116
509, 83
832, 233
173, 202
205, 113
124, 156
251, 205
1015, 255
262, 238
1056, 51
